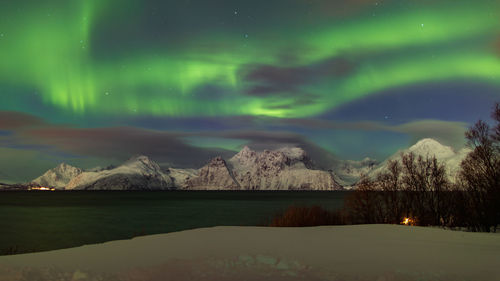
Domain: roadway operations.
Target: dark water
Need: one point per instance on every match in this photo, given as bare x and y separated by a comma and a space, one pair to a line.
40, 221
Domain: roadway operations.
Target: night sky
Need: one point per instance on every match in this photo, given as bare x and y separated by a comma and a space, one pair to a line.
94, 82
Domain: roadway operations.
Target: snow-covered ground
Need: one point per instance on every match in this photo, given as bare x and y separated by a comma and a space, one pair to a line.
361, 252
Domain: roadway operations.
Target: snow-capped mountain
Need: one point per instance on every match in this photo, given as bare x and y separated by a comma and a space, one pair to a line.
58, 177
430, 147
138, 173
282, 169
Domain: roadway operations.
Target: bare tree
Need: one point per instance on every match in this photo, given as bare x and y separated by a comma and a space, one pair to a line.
394, 201
424, 183
480, 174
365, 205
413, 187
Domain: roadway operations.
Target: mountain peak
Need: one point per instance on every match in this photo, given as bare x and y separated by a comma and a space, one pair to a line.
214, 175
139, 172
141, 158
431, 147
245, 153
63, 165
141, 162
59, 176
217, 161
245, 149
427, 141
295, 153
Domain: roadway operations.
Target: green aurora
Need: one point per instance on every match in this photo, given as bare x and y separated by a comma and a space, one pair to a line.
92, 82
49, 47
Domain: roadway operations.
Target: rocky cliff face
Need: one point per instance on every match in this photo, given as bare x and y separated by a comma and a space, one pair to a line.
283, 169
213, 176
58, 177
138, 173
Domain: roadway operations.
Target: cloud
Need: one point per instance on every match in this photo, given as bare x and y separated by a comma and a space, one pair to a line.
452, 100
17, 120
304, 99
170, 149
20, 165
122, 142
42, 145
497, 46
450, 133
447, 132
264, 80
263, 139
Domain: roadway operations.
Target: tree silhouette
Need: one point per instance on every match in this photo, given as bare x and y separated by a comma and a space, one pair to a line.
480, 174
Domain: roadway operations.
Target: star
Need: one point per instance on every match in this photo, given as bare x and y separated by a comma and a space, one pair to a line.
422, 25
235, 12
246, 35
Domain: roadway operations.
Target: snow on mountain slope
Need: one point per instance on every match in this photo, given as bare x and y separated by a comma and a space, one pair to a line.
181, 176
348, 172
282, 169
139, 173
213, 176
58, 177
287, 168
430, 147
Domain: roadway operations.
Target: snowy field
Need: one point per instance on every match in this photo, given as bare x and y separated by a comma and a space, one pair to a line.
362, 252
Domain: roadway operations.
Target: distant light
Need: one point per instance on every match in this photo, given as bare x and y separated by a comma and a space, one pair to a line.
408, 221
42, 188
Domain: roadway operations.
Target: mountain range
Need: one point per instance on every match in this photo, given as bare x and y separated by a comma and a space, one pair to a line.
283, 169
288, 168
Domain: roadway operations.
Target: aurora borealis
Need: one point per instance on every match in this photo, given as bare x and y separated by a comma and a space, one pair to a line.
351, 78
